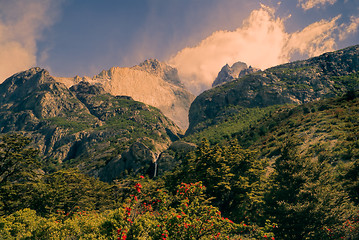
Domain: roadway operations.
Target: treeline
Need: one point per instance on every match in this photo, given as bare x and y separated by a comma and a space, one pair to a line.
218, 192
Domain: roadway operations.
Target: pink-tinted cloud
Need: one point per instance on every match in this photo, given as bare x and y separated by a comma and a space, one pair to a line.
317, 38
262, 41
21, 25
348, 29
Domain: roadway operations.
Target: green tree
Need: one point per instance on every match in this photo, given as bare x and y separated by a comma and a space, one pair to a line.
18, 162
232, 176
70, 190
305, 199
19, 172
351, 181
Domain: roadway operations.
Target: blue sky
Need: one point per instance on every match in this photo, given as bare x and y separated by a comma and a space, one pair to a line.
77, 37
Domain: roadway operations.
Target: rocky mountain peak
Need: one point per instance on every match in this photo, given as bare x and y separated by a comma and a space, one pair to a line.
107, 74
229, 73
35, 75
152, 82
23, 83
151, 64
160, 69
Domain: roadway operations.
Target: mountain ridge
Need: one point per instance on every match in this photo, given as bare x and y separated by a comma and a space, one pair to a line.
151, 82
299, 82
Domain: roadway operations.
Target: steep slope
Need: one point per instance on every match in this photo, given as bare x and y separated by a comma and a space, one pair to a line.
84, 126
228, 74
299, 82
150, 82
325, 130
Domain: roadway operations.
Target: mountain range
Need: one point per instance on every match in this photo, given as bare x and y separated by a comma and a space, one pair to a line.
121, 120
270, 154
84, 125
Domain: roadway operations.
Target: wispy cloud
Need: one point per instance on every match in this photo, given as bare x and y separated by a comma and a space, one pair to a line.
21, 25
309, 4
313, 40
347, 29
262, 41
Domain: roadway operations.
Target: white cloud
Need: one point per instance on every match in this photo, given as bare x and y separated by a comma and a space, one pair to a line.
313, 40
309, 4
262, 41
351, 28
21, 25
258, 42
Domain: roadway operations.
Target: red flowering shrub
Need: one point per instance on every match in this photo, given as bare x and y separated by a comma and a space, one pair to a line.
188, 214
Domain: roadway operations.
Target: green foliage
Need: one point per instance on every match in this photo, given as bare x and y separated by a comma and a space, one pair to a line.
65, 190
326, 129
234, 119
145, 214
351, 181
232, 175
26, 224
68, 190
306, 199
351, 80
74, 126
17, 161
19, 172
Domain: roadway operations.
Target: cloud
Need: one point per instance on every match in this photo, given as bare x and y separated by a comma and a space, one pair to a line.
21, 25
313, 40
262, 41
309, 4
258, 42
350, 28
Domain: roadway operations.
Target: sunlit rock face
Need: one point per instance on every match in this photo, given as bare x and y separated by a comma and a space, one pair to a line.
151, 82
229, 73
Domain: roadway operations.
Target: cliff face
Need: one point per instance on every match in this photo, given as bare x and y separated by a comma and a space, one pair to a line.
84, 126
151, 82
299, 82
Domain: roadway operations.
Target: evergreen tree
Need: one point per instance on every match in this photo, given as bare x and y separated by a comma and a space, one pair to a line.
18, 162
306, 199
19, 172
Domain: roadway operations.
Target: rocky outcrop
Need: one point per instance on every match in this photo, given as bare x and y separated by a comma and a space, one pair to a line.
228, 74
84, 126
151, 82
169, 159
299, 82
247, 71
137, 159
160, 69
